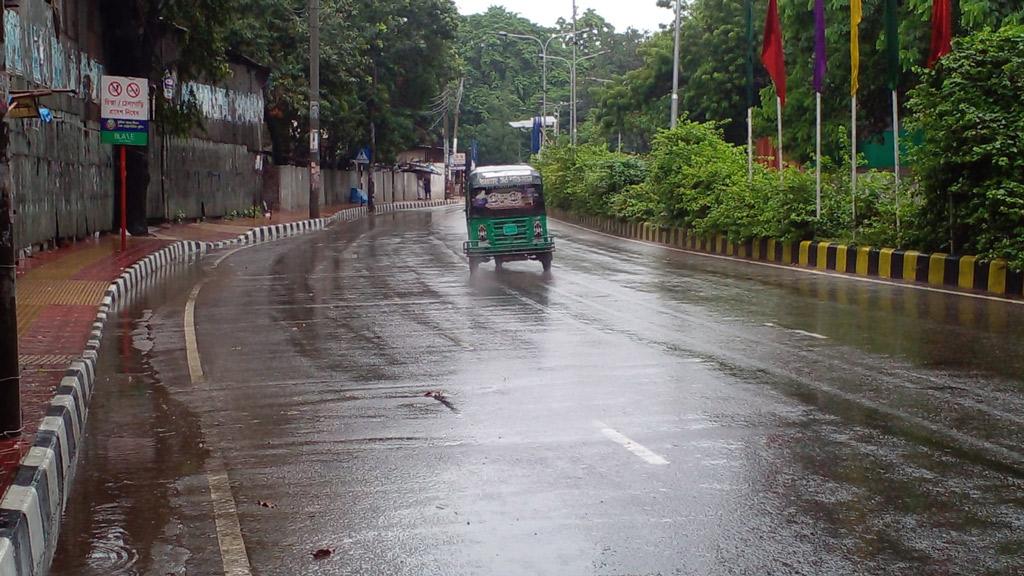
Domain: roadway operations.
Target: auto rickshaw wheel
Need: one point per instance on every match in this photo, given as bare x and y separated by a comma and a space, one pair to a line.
474, 264
498, 264
545, 261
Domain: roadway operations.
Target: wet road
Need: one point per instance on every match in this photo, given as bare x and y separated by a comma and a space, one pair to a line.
638, 411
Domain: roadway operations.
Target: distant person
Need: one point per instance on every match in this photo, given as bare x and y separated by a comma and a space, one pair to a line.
426, 187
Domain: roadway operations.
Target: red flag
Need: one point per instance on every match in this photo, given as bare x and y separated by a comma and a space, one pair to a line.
771, 50
942, 31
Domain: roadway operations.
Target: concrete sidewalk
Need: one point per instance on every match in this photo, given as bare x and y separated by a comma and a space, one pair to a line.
59, 293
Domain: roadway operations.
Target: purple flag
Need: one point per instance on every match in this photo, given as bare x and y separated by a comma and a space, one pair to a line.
820, 61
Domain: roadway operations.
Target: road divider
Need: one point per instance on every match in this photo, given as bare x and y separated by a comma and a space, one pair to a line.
31, 508
956, 273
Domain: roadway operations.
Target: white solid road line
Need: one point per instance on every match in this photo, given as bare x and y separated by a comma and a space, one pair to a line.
637, 449
798, 268
806, 333
195, 365
797, 331
229, 530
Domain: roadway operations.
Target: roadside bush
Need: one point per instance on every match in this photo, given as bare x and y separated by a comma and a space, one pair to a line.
693, 178
638, 202
701, 182
970, 109
585, 180
876, 210
692, 168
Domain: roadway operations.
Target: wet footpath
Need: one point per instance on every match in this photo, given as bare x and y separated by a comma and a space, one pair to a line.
352, 402
58, 293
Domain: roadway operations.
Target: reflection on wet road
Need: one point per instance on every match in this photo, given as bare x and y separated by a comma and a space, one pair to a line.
637, 411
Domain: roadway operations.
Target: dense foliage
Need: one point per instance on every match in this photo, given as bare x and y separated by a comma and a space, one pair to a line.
381, 64
694, 178
970, 109
713, 71
504, 75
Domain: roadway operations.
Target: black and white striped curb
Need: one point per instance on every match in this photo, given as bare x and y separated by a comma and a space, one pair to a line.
31, 508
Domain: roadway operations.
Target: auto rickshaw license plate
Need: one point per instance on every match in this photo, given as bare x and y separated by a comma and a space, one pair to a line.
511, 229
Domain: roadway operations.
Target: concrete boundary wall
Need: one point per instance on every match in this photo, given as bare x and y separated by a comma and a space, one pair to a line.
63, 178
961, 273
31, 509
290, 187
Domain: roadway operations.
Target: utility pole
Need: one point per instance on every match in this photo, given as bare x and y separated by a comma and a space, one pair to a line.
544, 73
10, 372
575, 44
675, 73
371, 183
455, 125
447, 150
315, 179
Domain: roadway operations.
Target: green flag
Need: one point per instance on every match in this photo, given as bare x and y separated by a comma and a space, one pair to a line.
892, 43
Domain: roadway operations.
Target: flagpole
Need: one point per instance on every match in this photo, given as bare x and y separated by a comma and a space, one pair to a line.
750, 144
750, 90
896, 154
778, 109
853, 161
817, 154
856, 12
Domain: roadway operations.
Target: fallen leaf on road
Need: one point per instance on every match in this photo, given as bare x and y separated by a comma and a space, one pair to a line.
322, 553
266, 504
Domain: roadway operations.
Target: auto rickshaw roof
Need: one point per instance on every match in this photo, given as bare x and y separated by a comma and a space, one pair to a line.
500, 176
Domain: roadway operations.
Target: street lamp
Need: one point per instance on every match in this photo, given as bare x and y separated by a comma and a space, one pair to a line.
675, 73
544, 68
573, 63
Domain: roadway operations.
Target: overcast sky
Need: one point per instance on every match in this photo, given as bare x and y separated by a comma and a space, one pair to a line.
641, 14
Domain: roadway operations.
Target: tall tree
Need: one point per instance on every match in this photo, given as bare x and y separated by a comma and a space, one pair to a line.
138, 29
504, 77
381, 64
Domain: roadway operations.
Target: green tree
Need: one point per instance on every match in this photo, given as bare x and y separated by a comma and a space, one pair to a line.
970, 109
874, 96
136, 31
504, 80
381, 64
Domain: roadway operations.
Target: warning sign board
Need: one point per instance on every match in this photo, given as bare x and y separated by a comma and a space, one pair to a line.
124, 111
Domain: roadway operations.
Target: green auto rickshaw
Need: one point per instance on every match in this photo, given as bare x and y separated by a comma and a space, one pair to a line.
505, 217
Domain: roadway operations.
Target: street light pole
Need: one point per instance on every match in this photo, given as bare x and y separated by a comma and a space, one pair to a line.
573, 89
544, 72
675, 73
315, 181
575, 43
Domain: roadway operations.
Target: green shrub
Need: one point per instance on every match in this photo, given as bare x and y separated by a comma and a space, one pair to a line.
691, 169
693, 178
586, 179
970, 109
637, 202
877, 206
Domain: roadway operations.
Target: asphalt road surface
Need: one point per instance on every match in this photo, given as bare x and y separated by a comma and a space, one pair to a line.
637, 411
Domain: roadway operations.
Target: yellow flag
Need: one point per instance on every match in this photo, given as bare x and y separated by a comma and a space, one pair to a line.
855, 13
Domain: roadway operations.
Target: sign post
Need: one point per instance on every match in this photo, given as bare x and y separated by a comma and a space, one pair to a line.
124, 122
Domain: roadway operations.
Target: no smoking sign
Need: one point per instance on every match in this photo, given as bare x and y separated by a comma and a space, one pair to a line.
125, 111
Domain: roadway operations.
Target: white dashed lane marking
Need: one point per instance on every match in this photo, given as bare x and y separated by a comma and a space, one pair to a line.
637, 449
